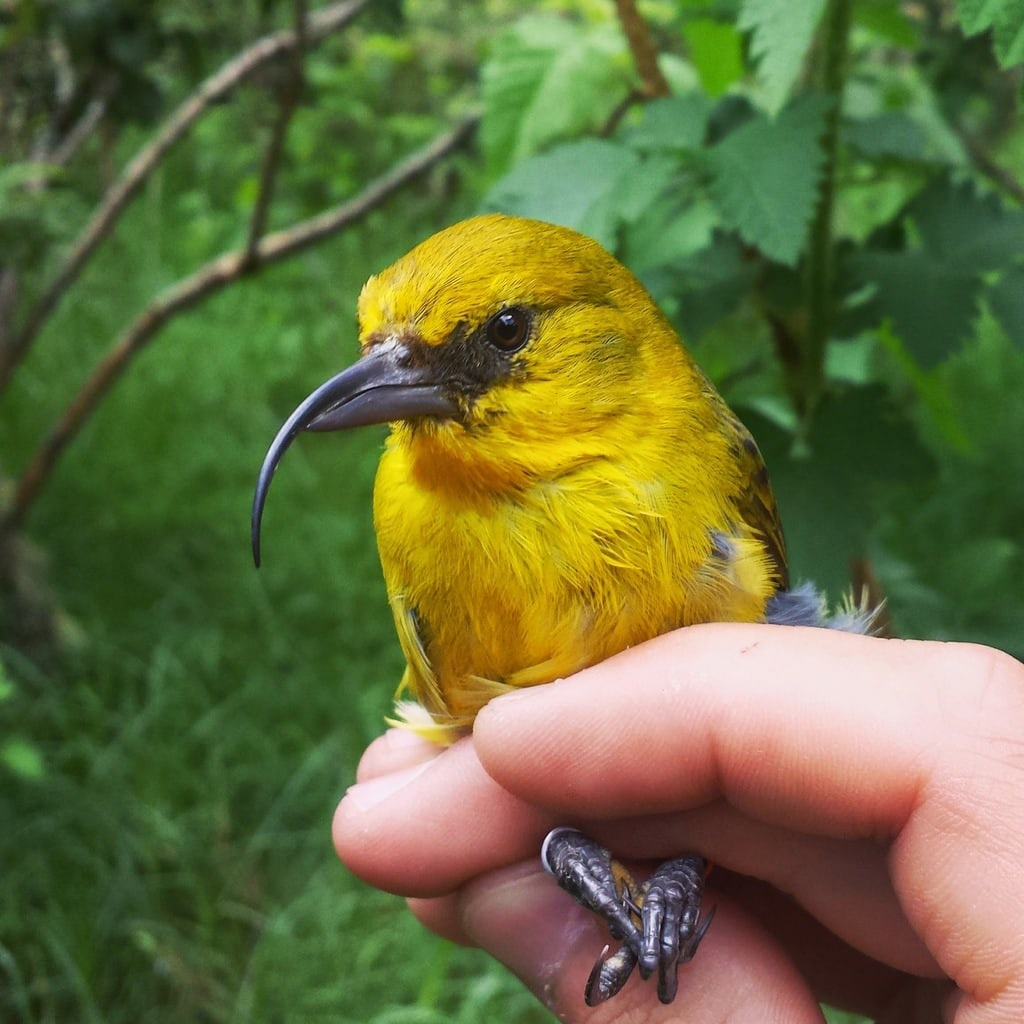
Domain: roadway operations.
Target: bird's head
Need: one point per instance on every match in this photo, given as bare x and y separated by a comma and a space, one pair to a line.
503, 345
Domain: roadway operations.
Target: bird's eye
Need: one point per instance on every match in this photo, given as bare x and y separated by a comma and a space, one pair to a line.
508, 330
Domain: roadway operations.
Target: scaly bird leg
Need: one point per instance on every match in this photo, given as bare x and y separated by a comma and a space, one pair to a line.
587, 872
672, 928
658, 923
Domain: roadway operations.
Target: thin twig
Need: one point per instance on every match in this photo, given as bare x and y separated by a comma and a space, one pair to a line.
645, 53
205, 281
66, 148
322, 23
288, 101
632, 98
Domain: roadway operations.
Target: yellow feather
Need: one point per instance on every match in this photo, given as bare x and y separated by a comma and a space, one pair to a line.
598, 494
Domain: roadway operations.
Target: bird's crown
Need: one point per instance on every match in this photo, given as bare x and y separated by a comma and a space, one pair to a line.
470, 271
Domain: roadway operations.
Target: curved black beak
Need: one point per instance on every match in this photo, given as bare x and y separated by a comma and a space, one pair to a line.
379, 388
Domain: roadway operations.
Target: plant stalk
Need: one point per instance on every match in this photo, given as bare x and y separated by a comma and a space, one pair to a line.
828, 75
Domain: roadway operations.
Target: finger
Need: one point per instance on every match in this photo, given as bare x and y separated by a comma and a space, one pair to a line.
395, 750
521, 918
835, 973
845, 883
443, 916
380, 835
812, 730
724, 713
425, 829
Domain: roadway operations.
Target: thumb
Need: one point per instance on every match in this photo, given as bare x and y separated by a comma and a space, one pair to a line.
520, 916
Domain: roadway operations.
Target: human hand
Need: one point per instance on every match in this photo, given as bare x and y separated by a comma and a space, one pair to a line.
863, 800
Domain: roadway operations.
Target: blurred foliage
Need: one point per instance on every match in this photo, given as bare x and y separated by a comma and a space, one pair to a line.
711, 195
169, 775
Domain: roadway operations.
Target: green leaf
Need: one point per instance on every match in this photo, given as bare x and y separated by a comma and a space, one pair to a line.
930, 305
866, 205
887, 21
857, 442
877, 93
893, 133
15, 176
964, 228
956, 546
766, 177
546, 79
930, 288
673, 123
700, 289
716, 52
579, 184
1006, 20
650, 188
666, 234
781, 34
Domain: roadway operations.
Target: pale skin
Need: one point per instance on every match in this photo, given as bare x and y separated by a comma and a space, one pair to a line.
878, 784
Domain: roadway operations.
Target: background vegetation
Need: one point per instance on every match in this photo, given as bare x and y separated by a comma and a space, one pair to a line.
826, 197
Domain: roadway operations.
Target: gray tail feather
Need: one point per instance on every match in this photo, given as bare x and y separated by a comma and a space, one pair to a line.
805, 606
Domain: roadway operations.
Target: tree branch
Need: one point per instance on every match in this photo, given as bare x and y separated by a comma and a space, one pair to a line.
288, 101
322, 23
66, 148
207, 280
645, 53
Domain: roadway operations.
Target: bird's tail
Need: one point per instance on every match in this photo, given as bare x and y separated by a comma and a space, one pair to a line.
804, 605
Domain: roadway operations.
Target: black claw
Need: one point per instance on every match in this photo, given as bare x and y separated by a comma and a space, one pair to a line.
698, 935
658, 923
609, 974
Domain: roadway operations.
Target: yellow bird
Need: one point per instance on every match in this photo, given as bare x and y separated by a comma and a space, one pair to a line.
561, 481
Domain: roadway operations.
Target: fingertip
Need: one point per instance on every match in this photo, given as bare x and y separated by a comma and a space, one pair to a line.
427, 828
394, 750
364, 830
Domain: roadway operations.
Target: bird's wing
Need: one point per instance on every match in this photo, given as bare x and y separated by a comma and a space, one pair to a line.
756, 501
419, 677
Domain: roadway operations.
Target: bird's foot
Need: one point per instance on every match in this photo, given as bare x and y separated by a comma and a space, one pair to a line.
658, 922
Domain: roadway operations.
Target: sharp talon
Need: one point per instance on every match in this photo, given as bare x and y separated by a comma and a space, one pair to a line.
699, 934
608, 975
630, 903
594, 992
